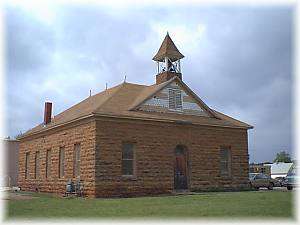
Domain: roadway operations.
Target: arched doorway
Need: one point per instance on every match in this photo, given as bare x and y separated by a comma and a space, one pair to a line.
180, 168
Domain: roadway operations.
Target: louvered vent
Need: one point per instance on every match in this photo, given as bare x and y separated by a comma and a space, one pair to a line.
175, 99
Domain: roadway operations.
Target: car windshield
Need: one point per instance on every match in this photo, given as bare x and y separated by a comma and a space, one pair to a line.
292, 172
251, 175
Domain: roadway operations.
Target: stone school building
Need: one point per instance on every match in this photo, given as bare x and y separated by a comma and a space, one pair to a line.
133, 140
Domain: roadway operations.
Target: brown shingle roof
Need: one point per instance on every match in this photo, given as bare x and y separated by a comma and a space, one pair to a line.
83, 108
168, 49
120, 102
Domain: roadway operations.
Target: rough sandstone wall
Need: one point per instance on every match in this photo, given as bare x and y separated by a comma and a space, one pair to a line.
154, 152
84, 134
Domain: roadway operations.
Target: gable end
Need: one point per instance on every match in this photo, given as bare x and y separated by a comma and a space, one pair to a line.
173, 99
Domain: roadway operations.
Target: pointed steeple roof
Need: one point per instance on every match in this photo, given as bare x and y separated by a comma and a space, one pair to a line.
168, 49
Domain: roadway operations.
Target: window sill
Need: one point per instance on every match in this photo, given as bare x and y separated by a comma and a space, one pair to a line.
225, 177
129, 177
175, 110
61, 179
33, 179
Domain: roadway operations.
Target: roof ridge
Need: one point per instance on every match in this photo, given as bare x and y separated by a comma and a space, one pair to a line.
136, 84
86, 99
160, 86
202, 103
72, 107
118, 87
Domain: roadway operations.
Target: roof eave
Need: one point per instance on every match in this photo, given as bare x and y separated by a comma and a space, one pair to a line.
167, 120
53, 127
161, 57
128, 117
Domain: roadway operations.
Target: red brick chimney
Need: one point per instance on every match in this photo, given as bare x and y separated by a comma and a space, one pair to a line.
48, 112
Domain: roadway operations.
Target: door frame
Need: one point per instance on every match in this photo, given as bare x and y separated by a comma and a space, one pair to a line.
187, 164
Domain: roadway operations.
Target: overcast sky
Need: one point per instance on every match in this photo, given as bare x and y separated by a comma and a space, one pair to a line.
238, 60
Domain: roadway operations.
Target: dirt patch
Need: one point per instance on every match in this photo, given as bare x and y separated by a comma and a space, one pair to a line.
17, 196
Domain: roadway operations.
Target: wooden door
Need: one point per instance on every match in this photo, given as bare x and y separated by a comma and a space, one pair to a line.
180, 171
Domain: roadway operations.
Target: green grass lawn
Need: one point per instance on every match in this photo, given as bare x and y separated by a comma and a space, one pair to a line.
258, 204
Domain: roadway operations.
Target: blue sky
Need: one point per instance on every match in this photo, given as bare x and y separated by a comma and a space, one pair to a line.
238, 59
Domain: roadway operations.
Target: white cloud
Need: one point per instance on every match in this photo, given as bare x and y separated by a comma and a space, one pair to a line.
186, 38
44, 11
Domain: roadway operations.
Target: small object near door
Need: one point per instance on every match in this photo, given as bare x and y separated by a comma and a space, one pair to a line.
180, 170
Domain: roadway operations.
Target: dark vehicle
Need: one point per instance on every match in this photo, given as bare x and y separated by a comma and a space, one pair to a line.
292, 179
281, 181
261, 180
284, 183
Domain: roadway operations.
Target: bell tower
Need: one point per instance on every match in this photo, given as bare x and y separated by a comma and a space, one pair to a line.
168, 61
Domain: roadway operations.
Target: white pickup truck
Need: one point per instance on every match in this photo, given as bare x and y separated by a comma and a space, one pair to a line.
293, 179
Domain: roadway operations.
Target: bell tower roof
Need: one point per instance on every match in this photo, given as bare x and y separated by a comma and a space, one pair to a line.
169, 50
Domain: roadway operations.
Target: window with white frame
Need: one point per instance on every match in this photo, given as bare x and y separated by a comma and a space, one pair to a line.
175, 99
61, 168
48, 163
27, 157
76, 170
37, 165
128, 159
225, 162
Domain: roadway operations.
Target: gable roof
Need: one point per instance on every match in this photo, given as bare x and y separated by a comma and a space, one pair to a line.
121, 102
149, 93
168, 49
